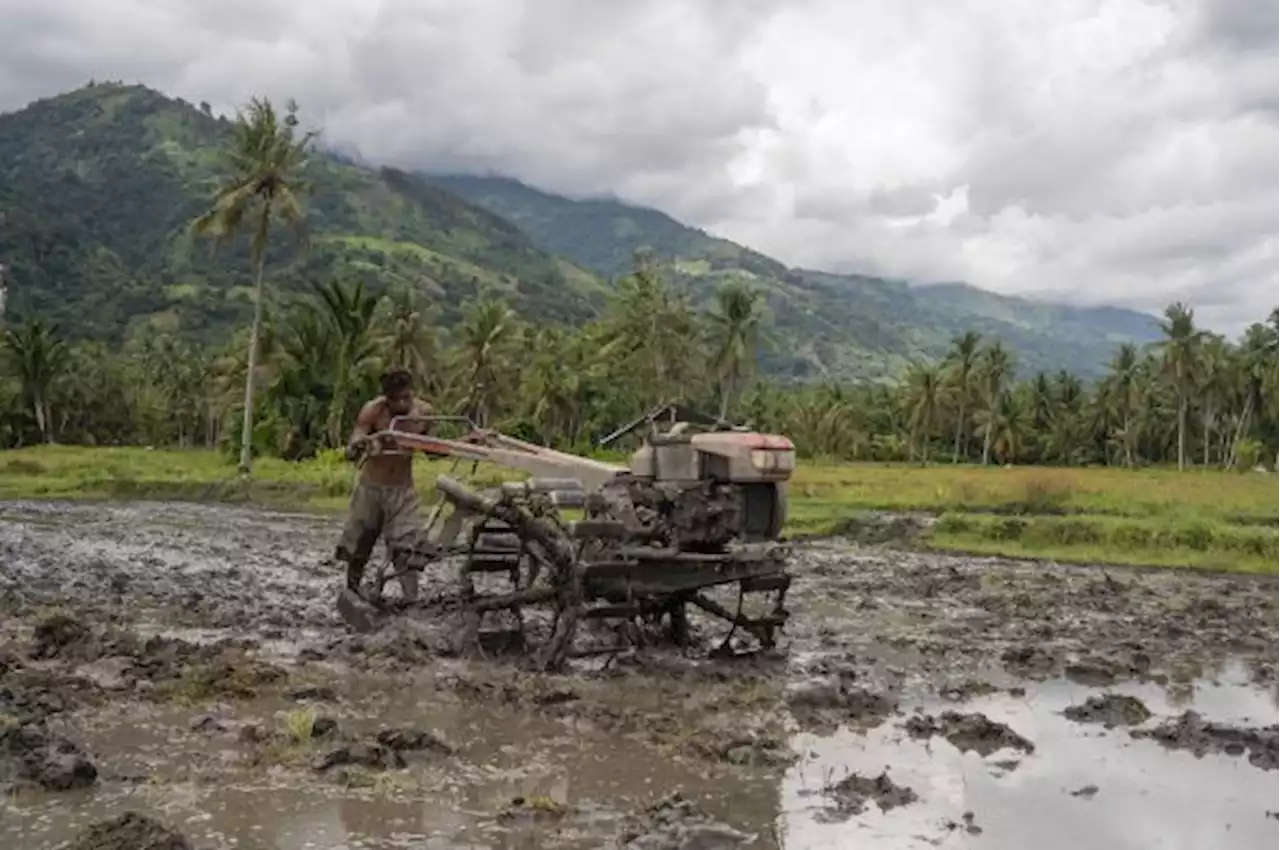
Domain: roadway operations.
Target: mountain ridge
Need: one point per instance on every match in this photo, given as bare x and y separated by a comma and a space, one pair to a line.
888, 316
97, 187
100, 185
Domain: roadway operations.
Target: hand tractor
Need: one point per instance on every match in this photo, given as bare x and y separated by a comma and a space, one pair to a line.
697, 509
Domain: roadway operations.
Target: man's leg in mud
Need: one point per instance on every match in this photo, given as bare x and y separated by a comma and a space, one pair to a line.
406, 536
359, 535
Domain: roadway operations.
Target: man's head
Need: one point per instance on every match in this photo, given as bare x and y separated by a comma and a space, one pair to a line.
397, 389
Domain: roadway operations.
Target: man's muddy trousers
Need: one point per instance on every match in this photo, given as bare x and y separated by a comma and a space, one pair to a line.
391, 512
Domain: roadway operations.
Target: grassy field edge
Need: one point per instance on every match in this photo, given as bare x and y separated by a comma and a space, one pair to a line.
1155, 517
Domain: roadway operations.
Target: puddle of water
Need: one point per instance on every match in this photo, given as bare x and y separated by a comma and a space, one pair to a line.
1147, 796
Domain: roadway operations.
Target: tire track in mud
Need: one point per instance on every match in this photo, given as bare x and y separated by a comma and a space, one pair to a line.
218, 607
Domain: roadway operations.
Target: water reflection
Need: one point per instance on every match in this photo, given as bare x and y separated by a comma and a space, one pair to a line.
1146, 796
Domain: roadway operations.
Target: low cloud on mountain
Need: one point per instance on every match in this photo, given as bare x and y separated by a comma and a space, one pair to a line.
1095, 151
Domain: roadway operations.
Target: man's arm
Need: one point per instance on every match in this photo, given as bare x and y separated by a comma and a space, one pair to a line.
365, 422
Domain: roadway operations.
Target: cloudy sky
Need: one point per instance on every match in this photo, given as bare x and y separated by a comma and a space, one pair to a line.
1095, 151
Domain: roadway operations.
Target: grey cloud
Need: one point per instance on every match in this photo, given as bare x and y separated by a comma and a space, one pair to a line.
1235, 24
581, 94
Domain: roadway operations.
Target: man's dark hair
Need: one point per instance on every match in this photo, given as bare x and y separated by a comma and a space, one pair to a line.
396, 381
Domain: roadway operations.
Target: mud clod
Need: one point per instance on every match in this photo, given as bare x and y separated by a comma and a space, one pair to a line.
1030, 661
29, 754
372, 756
1093, 672
850, 795
1086, 792
54, 635
1190, 731
966, 732
130, 831
411, 740
828, 703
965, 823
675, 823
535, 809
967, 691
312, 693
323, 727
1111, 710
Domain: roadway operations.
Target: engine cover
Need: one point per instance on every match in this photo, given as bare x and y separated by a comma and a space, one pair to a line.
699, 516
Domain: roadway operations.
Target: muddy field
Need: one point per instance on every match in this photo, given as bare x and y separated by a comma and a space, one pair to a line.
180, 667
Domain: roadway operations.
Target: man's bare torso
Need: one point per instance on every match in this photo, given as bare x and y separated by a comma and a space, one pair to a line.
389, 470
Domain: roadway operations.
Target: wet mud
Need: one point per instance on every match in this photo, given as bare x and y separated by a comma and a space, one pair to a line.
1190, 731
1110, 710
966, 732
130, 831
850, 795
178, 673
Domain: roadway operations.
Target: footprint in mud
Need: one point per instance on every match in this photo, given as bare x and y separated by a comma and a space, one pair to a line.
1110, 710
966, 732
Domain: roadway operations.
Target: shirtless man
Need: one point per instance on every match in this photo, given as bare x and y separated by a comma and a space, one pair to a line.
384, 501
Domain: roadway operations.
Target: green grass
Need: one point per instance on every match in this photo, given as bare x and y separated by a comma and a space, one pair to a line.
1159, 517
76, 473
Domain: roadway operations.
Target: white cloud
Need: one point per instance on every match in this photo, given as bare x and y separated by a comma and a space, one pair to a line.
1100, 151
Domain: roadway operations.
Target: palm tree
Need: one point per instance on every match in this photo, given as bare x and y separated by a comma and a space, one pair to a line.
650, 336
1211, 388
1122, 386
962, 358
924, 400
735, 328
39, 357
266, 158
1180, 355
410, 340
350, 313
992, 369
486, 327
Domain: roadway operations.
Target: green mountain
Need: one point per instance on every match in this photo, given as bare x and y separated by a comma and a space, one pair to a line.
822, 323
97, 188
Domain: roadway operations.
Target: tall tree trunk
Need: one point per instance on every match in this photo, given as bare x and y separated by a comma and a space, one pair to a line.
1182, 430
246, 429
42, 423
337, 405
1128, 442
986, 445
955, 456
1246, 420
1206, 420
726, 395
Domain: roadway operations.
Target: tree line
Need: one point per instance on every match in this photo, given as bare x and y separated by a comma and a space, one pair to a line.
294, 380
1193, 398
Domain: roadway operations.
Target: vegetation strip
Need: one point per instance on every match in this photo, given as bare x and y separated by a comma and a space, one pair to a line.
1208, 519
